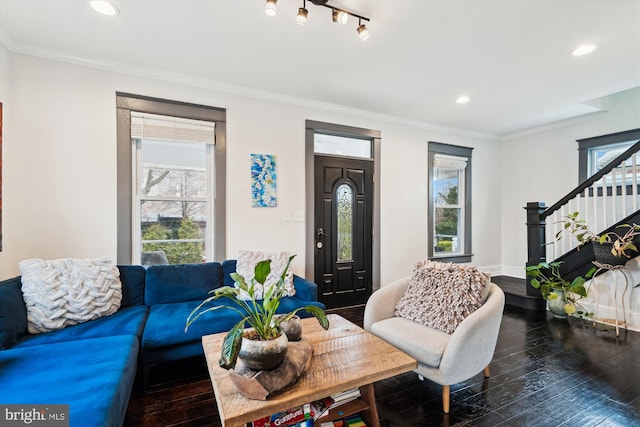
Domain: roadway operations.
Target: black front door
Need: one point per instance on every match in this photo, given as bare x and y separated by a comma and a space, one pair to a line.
343, 227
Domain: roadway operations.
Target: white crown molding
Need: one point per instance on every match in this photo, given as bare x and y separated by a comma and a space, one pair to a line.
555, 125
232, 89
6, 40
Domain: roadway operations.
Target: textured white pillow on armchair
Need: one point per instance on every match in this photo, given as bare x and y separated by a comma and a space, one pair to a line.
246, 264
442, 295
65, 292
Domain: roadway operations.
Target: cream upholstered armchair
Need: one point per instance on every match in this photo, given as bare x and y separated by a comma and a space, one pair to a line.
442, 358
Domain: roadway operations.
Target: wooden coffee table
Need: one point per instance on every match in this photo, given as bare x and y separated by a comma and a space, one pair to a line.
344, 357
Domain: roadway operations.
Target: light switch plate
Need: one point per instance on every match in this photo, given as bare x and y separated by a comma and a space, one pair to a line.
298, 216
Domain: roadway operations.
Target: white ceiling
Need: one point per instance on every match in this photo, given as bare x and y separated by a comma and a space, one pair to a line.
511, 57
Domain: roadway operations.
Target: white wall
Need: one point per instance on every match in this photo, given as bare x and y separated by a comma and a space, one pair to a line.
60, 185
404, 200
5, 61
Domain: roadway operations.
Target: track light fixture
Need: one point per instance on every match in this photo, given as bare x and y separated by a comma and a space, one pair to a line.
302, 14
338, 15
271, 7
363, 32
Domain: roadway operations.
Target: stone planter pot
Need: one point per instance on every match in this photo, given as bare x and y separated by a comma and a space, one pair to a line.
263, 355
292, 328
556, 305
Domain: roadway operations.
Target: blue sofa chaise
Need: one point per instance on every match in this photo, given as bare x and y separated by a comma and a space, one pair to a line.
92, 366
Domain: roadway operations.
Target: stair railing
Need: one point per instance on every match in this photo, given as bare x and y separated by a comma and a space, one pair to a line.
603, 200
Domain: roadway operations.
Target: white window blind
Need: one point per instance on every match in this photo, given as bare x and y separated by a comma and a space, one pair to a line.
151, 126
449, 162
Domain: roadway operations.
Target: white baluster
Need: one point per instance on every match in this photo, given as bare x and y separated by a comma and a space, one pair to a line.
604, 205
613, 199
557, 226
634, 180
623, 194
573, 207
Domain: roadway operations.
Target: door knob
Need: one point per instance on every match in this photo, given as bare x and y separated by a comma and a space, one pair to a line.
320, 233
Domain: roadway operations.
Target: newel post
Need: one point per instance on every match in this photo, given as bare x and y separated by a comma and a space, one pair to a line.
536, 251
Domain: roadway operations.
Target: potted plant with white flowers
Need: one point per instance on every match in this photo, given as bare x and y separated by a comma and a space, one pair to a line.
264, 346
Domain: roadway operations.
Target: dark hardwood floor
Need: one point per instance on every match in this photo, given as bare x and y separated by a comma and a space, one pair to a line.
545, 372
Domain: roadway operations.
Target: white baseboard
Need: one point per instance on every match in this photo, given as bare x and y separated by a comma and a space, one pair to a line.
513, 271
494, 270
609, 312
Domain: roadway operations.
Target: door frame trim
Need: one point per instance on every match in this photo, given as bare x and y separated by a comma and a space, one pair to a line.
311, 127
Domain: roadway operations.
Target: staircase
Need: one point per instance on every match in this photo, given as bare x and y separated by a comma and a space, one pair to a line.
515, 293
607, 199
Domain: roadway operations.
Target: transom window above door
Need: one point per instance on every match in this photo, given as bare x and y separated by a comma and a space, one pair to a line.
342, 146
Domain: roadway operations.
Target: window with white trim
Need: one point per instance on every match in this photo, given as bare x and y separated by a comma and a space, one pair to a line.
449, 202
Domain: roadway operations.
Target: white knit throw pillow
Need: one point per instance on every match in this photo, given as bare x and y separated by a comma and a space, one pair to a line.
442, 295
246, 263
64, 292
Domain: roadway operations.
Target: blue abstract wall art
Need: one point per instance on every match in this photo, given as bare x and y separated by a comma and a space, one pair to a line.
263, 180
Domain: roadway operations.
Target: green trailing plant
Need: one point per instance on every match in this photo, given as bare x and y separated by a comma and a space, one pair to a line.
259, 314
546, 276
621, 243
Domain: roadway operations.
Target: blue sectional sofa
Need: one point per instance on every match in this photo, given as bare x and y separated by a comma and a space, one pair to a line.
92, 366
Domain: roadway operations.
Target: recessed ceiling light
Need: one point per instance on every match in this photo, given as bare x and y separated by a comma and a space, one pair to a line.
583, 50
105, 7
463, 99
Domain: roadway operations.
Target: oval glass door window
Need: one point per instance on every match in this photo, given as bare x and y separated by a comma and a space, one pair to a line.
344, 198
